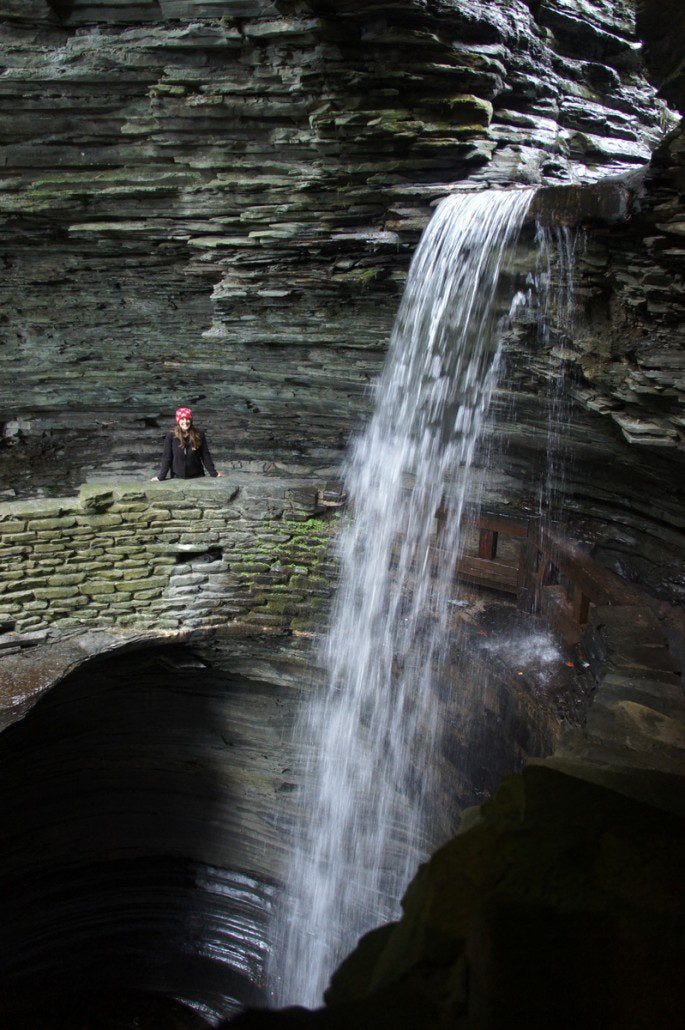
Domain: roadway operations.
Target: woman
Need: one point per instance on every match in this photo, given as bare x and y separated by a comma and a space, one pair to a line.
186, 454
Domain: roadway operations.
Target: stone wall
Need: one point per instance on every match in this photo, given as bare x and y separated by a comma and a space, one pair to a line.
173, 555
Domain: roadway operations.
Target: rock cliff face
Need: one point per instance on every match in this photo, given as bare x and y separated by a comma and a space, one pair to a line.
559, 901
216, 202
146, 800
150, 855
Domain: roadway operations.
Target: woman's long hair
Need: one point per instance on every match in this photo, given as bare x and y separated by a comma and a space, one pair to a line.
193, 436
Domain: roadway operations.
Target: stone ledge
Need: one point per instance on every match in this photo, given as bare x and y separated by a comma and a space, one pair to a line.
28, 674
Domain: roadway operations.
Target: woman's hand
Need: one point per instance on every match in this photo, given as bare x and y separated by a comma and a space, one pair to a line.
219, 475
154, 479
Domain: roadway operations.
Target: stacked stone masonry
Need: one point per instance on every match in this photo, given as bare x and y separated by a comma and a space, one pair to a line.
177, 555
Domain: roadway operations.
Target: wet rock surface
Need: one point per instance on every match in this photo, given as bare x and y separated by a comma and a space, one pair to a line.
150, 780
628, 348
215, 203
559, 902
148, 799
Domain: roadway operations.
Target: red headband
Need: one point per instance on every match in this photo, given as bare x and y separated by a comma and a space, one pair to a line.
183, 413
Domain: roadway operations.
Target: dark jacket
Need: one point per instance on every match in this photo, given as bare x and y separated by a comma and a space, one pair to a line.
184, 462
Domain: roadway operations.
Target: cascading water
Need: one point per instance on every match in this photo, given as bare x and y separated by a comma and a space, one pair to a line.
554, 281
374, 730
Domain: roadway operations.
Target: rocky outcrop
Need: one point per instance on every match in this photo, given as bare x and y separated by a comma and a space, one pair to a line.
527, 916
149, 790
627, 346
141, 849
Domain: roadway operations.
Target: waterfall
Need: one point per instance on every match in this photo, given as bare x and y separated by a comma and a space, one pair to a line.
373, 732
554, 281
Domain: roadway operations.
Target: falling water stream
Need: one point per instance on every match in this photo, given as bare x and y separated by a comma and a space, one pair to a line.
374, 729
556, 258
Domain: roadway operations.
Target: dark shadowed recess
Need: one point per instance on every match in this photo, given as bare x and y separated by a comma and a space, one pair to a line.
62, 8
135, 892
146, 805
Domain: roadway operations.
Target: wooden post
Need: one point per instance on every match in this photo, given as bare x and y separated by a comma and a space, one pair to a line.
440, 519
487, 544
531, 565
580, 605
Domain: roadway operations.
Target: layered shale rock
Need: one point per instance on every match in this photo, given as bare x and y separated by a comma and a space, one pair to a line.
156, 650
627, 347
148, 800
216, 202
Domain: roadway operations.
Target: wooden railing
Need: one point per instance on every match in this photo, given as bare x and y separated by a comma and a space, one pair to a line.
487, 567
520, 556
568, 580
544, 571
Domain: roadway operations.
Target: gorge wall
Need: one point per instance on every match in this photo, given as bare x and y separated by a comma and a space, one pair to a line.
184, 194
159, 653
214, 202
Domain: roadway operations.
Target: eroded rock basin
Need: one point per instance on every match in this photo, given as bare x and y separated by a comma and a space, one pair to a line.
137, 795
148, 804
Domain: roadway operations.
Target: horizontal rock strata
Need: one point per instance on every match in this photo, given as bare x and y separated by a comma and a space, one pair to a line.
628, 348
141, 848
148, 799
215, 202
